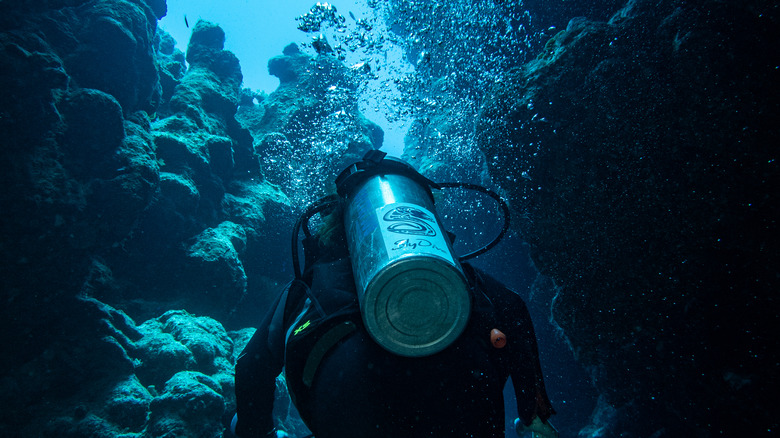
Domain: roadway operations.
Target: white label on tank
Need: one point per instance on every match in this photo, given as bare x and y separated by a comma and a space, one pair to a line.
409, 229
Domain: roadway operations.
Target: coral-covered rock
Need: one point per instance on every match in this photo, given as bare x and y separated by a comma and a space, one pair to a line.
115, 54
133, 180
636, 153
253, 203
194, 397
179, 341
204, 337
91, 352
190, 406
216, 276
31, 72
181, 154
161, 355
128, 405
171, 374
180, 192
205, 51
95, 131
78, 165
203, 97
172, 66
111, 202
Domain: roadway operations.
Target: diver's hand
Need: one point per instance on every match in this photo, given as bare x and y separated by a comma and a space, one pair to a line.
539, 428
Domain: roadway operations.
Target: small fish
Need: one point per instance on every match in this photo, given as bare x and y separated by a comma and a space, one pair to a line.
352, 15
186, 23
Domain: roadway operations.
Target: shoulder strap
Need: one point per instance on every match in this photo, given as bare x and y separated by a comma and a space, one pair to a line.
277, 322
477, 283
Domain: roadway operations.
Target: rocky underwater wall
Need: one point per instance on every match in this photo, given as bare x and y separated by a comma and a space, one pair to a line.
130, 182
636, 141
640, 154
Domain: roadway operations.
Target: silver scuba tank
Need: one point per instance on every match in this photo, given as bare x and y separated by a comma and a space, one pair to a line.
414, 297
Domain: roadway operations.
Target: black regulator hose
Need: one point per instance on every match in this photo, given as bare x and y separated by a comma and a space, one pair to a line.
317, 206
329, 202
504, 210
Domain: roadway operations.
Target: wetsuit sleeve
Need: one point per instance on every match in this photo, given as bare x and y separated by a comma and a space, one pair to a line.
256, 370
523, 352
524, 366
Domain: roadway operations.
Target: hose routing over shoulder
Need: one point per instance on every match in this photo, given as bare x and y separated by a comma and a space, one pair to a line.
504, 210
373, 164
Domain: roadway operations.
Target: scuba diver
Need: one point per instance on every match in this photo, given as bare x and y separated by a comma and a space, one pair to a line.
385, 333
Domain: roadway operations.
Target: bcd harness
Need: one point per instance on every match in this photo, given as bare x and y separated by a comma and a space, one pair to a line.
318, 320
316, 317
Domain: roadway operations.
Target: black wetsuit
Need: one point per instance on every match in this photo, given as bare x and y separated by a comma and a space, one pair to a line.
361, 390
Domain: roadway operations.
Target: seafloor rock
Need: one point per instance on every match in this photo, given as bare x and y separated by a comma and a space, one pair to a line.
90, 353
127, 405
171, 374
188, 407
639, 155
